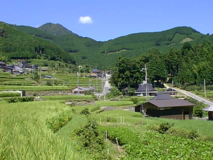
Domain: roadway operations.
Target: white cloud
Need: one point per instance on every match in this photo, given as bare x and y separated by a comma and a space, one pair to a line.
85, 19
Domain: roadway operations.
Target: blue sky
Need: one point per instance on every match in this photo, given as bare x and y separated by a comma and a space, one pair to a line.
107, 19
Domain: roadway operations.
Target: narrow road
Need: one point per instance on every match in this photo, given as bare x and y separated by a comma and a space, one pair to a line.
191, 95
106, 86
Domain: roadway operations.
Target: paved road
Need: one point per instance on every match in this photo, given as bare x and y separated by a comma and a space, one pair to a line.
191, 95
107, 86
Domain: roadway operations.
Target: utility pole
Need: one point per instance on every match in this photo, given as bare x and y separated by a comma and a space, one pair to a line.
172, 87
104, 86
89, 82
146, 83
204, 87
146, 79
78, 76
96, 83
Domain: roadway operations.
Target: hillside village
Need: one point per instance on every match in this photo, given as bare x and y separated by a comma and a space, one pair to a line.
94, 101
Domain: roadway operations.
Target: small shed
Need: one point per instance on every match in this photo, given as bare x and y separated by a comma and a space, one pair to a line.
81, 90
210, 112
141, 91
165, 106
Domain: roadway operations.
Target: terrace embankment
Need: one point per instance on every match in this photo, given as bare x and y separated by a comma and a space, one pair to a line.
48, 93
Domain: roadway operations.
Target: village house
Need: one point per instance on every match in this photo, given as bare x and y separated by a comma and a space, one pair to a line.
141, 91
14, 69
165, 106
81, 90
171, 91
2, 64
210, 112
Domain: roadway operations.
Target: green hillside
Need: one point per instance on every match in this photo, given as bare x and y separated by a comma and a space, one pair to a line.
104, 54
15, 44
132, 46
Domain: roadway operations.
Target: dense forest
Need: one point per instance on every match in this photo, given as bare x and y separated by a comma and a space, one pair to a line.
104, 54
189, 65
19, 45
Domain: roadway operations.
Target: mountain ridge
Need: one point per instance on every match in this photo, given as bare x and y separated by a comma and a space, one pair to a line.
102, 54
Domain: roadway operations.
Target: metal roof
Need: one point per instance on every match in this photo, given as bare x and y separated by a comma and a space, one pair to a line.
162, 96
142, 88
171, 103
208, 108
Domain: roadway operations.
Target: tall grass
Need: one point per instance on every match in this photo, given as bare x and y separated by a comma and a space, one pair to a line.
25, 135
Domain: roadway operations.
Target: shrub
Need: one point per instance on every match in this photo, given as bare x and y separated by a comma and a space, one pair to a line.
192, 135
88, 93
134, 100
56, 122
85, 111
91, 140
95, 109
19, 99
164, 127
9, 94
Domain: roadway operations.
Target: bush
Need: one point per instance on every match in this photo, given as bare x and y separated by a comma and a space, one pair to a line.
164, 127
91, 140
85, 111
192, 135
95, 109
10, 94
19, 99
55, 123
134, 100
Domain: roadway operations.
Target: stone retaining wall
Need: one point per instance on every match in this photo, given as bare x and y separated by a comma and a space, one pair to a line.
49, 93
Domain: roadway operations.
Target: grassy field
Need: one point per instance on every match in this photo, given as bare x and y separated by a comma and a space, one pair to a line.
25, 133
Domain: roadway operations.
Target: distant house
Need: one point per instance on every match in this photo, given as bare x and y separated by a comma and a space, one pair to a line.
171, 91
165, 106
94, 75
2, 64
210, 112
14, 69
141, 91
47, 76
95, 70
82, 90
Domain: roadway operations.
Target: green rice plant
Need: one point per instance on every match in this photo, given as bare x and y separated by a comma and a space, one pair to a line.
9, 94
19, 99
114, 103
58, 121
95, 108
25, 135
70, 97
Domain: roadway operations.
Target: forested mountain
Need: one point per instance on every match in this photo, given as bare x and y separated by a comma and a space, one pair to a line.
104, 54
55, 29
15, 44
